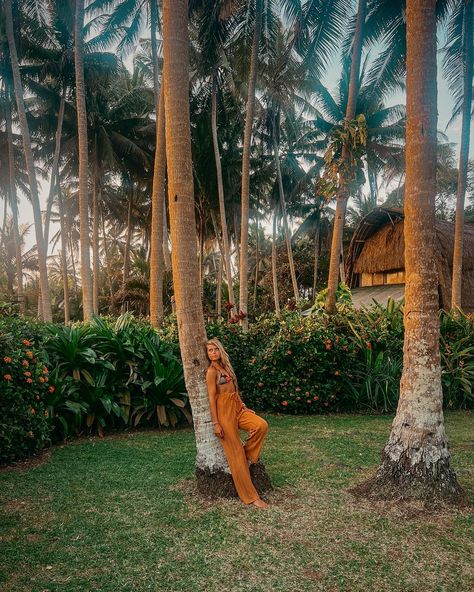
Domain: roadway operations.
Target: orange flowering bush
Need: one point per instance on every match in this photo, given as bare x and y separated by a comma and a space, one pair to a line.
25, 426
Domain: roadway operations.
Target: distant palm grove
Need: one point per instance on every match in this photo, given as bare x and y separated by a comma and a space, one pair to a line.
297, 132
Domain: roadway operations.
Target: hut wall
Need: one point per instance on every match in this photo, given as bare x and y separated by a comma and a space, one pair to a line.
383, 251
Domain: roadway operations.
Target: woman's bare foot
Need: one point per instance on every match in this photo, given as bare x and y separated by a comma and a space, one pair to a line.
260, 503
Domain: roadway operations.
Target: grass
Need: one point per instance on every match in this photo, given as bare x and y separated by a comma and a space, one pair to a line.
122, 513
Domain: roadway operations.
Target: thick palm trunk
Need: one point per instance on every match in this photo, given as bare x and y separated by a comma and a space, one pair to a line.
342, 197
86, 277
67, 307
157, 246
285, 219
456, 301
416, 459
54, 184
14, 208
276, 296
211, 466
220, 190
30, 165
244, 228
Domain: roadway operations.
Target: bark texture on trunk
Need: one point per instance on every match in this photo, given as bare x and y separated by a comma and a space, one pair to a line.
416, 460
244, 228
157, 260
14, 208
30, 165
220, 189
456, 301
343, 196
211, 465
86, 276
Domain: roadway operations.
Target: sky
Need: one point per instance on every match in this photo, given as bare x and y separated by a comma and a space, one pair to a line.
445, 105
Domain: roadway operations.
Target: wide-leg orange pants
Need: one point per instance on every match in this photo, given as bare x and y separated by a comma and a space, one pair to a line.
232, 416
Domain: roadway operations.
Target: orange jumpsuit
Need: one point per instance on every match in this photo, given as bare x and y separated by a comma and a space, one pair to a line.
232, 416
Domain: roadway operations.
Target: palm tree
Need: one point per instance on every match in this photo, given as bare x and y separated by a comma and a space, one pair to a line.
243, 267
210, 462
343, 196
25, 132
87, 302
416, 459
458, 65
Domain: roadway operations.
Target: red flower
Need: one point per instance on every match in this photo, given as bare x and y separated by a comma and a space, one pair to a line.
29, 354
30, 434
7, 377
7, 360
289, 352
25, 363
41, 379
29, 380
298, 398
26, 342
315, 398
284, 403
27, 373
297, 389
337, 373
228, 305
368, 344
38, 398
46, 379
328, 344
45, 370
52, 389
33, 411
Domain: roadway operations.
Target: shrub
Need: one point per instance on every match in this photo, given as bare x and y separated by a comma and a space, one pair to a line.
24, 384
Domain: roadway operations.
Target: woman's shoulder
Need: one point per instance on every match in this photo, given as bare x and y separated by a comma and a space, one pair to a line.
211, 370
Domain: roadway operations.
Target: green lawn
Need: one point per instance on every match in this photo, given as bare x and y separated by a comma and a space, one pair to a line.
121, 513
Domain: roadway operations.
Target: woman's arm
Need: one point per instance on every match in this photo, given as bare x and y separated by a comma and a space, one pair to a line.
211, 376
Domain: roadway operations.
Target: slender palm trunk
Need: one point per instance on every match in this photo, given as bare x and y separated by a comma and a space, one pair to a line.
456, 301
73, 263
257, 263
166, 247
284, 216
14, 208
157, 246
30, 165
317, 238
54, 184
86, 278
220, 190
67, 306
106, 252
276, 296
95, 238
244, 256
211, 466
219, 288
237, 234
416, 459
128, 238
343, 196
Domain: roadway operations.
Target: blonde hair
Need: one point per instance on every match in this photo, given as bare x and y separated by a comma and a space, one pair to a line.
225, 361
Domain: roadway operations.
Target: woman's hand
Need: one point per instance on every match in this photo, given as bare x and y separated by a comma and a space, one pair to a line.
218, 431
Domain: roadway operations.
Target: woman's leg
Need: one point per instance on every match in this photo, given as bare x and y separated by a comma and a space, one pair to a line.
257, 428
236, 459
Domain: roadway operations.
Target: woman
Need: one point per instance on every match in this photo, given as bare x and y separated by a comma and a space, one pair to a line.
229, 414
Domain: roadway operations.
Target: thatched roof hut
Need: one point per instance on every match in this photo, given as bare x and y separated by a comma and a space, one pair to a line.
375, 259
